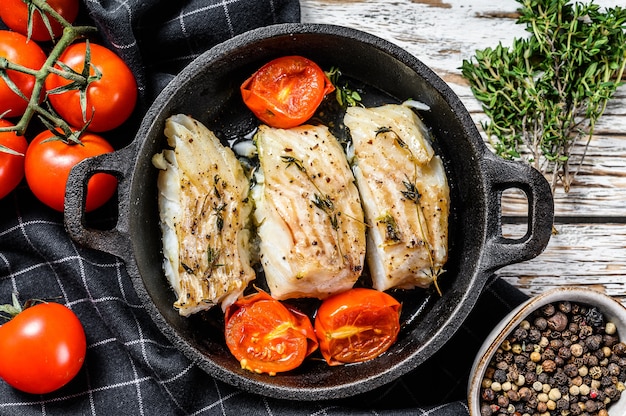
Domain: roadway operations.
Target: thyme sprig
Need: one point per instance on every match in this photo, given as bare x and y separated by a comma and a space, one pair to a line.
344, 94
544, 95
79, 81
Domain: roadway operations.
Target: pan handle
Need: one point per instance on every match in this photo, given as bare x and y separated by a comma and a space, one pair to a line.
115, 241
502, 175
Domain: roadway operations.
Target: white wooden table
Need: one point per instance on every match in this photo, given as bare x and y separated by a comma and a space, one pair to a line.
590, 247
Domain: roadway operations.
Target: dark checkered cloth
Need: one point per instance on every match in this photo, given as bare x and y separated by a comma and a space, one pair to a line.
131, 368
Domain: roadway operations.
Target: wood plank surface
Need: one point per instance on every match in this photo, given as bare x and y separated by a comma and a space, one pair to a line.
590, 246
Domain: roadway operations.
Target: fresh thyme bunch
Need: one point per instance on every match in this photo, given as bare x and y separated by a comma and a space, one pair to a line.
544, 94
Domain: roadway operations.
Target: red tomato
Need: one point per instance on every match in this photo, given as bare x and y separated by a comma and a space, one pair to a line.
286, 92
19, 50
110, 100
43, 348
48, 164
11, 166
267, 336
14, 14
357, 325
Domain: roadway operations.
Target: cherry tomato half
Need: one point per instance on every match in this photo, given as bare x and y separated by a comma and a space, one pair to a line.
11, 165
110, 100
286, 92
267, 336
48, 164
14, 14
43, 348
357, 325
18, 49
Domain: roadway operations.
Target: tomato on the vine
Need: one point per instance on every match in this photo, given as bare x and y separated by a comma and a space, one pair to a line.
267, 336
14, 14
43, 348
11, 165
110, 100
357, 325
19, 50
286, 92
48, 163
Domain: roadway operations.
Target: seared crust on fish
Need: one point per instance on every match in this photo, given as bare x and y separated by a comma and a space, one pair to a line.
405, 196
205, 214
309, 214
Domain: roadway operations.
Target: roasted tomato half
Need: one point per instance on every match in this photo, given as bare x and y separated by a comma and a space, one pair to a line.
267, 336
357, 325
286, 92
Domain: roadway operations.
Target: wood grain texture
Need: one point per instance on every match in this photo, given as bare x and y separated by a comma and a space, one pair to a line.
590, 246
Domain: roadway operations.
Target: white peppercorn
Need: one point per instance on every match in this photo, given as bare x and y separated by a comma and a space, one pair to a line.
610, 328
584, 389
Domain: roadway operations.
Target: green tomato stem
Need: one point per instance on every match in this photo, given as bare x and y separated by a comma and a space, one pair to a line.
70, 34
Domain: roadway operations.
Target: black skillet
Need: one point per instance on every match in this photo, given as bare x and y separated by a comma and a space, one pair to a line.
208, 89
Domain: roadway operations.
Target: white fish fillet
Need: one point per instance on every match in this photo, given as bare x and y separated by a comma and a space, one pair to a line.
405, 196
205, 214
308, 211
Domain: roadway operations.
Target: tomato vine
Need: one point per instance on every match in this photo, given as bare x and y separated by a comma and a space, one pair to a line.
78, 80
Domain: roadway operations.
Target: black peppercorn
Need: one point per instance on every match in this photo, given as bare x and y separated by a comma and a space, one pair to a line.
570, 370
499, 375
502, 365
548, 354
619, 349
503, 401
591, 406
486, 410
576, 409
513, 395
560, 377
593, 342
559, 361
556, 344
488, 395
558, 322
548, 310
548, 366
614, 369
520, 360
564, 353
534, 335
541, 323
585, 331
562, 404
609, 340
612, 392
594, 317
565, 306
520, 334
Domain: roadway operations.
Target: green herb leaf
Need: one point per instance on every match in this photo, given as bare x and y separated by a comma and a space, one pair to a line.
543, 95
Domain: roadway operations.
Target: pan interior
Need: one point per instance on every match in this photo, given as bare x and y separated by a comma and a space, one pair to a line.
208, 90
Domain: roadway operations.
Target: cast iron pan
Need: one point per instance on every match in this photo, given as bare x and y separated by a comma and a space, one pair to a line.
208, 90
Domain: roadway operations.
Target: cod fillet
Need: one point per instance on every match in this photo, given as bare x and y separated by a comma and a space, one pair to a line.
205, 214
309, 214
405, 196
